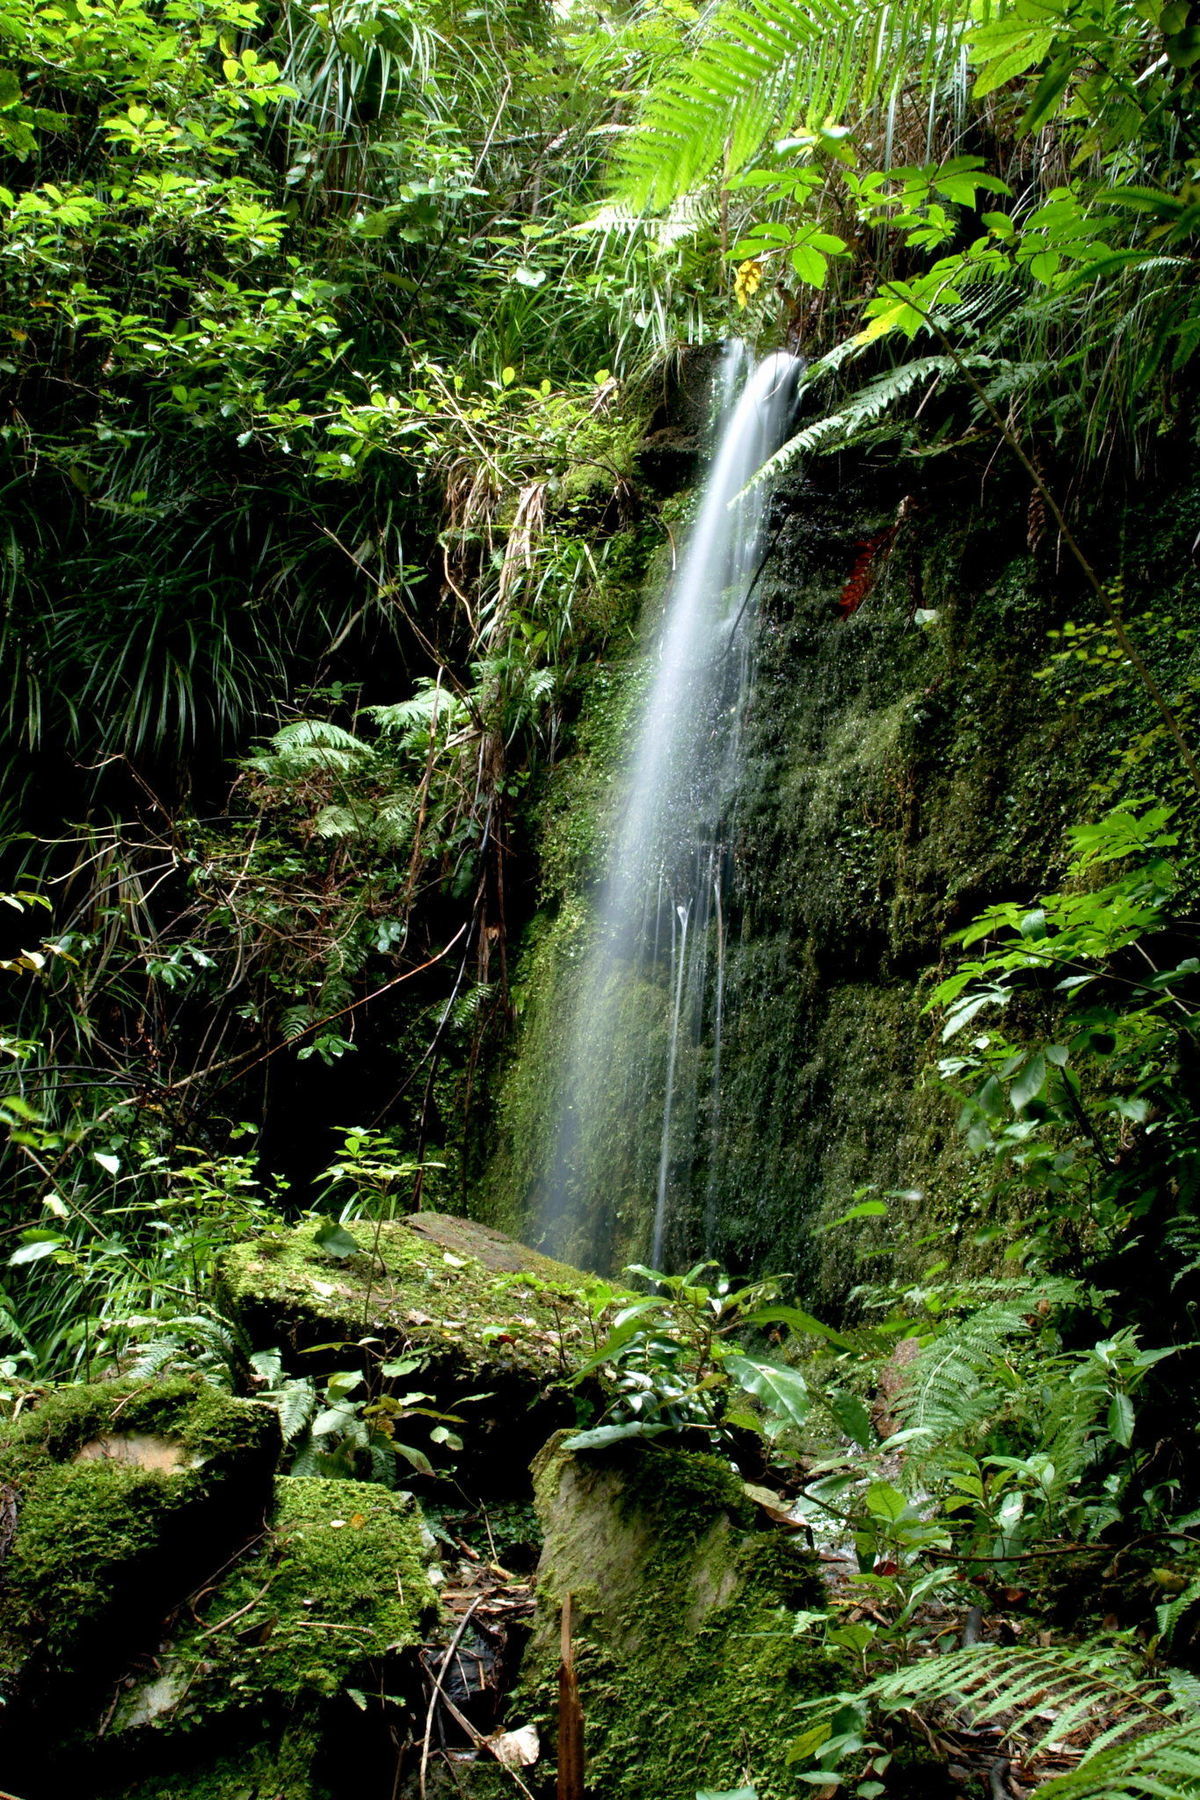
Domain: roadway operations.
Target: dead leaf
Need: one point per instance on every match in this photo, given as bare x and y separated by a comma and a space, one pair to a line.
515, 1749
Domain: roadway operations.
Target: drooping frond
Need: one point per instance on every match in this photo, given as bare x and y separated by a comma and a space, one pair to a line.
1135, 1736
760, 70
311, 745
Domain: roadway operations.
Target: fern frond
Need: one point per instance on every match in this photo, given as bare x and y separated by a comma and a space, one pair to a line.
777, 65
295, 1402
838, 429
308, 1460
1042, 1696
311, 744
1160, 1765
295, 1021
948, 1390
1170, 1616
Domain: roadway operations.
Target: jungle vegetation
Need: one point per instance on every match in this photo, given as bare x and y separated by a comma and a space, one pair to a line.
329, 333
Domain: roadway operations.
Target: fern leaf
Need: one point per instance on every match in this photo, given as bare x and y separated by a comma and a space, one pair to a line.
773, 65
1170, 1616
295, 1402
1041, 1696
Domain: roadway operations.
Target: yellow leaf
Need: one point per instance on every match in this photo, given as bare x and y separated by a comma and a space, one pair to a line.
747, 282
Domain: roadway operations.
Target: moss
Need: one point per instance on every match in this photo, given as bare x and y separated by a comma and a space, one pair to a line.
408, 1284
688, 1667
281, 1767
896, 778
339, 1582
105, 1546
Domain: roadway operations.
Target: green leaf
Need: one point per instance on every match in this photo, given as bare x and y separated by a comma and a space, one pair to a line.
810, 264
1028, 1082
782, 1390
417, 1458
866, 1209
36, 1245
335, 1240
1120, 1420
851, 1416
601, 1435
799, 1320
742, 1793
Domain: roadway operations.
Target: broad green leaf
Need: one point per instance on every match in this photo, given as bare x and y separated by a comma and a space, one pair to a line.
782, 1390
1120, 1420
418, 1459
799, 1320
36, 1246
1028, 1083
335, 1240
851, 1416
601, 1435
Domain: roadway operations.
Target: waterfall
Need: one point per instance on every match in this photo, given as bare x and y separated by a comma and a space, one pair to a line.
639, 1103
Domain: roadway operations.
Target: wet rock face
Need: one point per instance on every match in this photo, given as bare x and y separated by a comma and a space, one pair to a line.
681, 1622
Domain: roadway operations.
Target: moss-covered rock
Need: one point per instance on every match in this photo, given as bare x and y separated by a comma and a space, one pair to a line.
276, 1765
682, 1629
338, 1582
487, 1316
125, 1494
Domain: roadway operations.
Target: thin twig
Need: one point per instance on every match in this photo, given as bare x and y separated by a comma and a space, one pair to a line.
437, 1686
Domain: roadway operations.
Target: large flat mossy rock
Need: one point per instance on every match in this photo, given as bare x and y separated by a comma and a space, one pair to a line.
125, 1495
682, 1614
486, 1315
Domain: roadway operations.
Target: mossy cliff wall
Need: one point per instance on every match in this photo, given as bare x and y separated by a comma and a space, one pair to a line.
905, 764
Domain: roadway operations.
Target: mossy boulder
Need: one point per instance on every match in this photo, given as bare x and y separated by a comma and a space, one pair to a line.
284, 1764
336, 1584
682, 1623
487, 1316
122, 1497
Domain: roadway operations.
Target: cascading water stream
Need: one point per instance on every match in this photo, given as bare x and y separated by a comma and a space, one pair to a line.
632, 1085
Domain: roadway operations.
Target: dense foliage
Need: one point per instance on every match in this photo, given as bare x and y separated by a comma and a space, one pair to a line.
330, 334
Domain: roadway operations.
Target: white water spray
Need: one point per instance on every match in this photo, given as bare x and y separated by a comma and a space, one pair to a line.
630, 1097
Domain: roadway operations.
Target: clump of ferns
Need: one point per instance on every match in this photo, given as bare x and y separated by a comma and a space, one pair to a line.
195, 1343
1018, 1437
